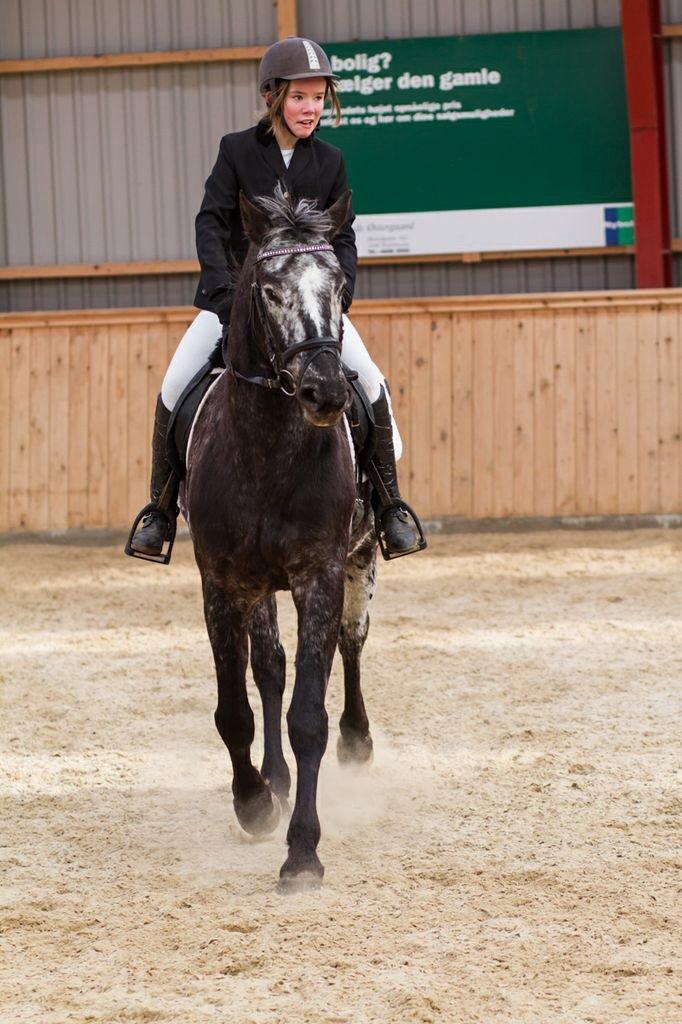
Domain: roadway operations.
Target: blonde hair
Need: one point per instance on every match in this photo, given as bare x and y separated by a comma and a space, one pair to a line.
274, 114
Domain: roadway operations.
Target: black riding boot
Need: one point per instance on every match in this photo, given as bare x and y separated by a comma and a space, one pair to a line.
398, 529
155, 529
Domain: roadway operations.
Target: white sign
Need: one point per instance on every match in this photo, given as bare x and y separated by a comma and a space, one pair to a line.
515, 228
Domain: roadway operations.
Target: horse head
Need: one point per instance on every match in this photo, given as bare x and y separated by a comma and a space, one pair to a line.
296, 294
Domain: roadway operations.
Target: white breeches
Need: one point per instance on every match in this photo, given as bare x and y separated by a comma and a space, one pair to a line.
204, 332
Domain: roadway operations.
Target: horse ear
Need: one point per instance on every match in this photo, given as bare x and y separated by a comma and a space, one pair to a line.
339, 213
254, 220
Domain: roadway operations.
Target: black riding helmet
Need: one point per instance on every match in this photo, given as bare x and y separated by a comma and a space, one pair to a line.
293, 58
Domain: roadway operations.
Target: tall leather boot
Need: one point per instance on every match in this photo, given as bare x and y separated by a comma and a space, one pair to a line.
154, 531
398, 529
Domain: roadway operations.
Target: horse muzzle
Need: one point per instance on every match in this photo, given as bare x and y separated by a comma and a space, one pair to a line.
324, 402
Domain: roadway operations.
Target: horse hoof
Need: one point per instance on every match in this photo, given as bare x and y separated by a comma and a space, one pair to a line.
290, 885
354, 749
302, 877
260, 815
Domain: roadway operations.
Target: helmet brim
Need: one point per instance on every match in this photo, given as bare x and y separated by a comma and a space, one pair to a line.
310, 74
305, 74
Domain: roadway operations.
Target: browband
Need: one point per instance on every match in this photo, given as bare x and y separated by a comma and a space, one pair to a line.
294, 250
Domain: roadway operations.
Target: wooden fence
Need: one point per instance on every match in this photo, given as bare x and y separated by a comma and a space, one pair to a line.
528, 405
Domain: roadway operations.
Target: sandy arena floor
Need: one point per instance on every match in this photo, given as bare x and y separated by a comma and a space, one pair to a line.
510, 856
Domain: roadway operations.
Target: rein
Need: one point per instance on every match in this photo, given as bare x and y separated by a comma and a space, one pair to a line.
284, 380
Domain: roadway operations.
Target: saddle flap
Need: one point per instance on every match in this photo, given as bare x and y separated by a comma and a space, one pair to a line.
183, 415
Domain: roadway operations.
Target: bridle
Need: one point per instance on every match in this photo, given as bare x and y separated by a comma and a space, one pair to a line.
284, 380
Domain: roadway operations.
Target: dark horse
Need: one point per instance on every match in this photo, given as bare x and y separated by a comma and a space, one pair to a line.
270, 496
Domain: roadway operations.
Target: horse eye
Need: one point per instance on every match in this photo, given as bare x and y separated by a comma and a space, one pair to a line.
271, 293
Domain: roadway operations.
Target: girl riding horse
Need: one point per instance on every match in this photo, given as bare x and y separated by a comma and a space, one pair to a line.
295, 80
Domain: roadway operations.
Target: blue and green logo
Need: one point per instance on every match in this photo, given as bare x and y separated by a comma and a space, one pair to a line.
619, 225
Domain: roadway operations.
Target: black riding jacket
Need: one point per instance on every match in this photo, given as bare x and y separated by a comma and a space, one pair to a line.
251, 162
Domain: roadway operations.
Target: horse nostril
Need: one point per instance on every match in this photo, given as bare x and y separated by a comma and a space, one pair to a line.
310, 395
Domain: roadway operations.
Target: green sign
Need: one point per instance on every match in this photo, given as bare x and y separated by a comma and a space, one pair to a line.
532, 125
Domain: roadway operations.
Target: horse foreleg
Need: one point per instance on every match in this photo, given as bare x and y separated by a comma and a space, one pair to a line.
256, 808
355, 742
268, 663
319, 601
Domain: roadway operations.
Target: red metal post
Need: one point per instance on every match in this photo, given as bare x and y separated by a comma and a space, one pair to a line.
643, 54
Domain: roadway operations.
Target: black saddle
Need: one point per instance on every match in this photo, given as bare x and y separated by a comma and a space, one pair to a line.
185, 410
359, 415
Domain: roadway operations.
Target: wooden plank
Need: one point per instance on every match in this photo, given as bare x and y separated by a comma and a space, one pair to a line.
58, 479
119, 510
524, 415
627, 411
39, 454
544, 449
503, 414
98, 430
401, 395
500, 254
462, 415
519, 302
126, 268
146, 58
670, 421
627, 371
99, 317
173, 337
20, 390
139, 418
5, 426
80, 351
442, 387
524, 302
157, 364
483, 416
565, 329
586, 415
378, 341
420, 426
286, 18
137, 268
647, 404
606, 357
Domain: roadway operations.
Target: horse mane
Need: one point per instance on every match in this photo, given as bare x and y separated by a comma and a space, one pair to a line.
291, 220
289, 216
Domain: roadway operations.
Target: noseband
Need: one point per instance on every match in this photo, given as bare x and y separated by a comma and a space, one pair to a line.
284, 380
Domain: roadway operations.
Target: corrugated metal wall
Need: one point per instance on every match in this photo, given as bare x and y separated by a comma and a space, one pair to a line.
78, 150
110, 165
503, 277
60, 28
329, 19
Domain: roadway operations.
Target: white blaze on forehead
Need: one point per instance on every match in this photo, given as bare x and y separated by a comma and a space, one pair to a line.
311, 286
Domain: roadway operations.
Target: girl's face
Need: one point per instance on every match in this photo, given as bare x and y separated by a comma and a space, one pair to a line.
303, 105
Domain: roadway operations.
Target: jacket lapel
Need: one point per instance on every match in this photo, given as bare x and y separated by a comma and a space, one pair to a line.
302, 156
273, 157
270, 151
